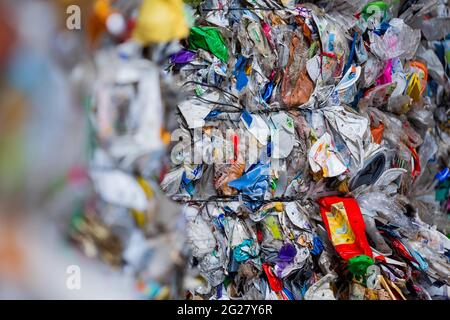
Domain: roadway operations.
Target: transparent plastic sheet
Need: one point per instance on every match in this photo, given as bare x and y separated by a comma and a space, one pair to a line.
399, 41
296, 87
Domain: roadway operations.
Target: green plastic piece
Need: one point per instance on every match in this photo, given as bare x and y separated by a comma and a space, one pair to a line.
77, 217
199, 91
273, 183
372, 7
441, 194
359, 264
447, 56
227, 281
209, 39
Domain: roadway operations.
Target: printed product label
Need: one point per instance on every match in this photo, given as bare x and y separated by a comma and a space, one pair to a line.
341, 232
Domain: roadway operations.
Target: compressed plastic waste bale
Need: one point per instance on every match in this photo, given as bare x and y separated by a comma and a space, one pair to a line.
358, 88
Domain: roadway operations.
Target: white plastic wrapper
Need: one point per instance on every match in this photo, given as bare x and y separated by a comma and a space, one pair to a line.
194, 112
201, 238
257, 127
321, 290
323, 156
352, 128
283, 135
119, 188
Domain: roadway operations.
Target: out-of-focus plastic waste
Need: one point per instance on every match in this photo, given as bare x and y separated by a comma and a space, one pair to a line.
160, 21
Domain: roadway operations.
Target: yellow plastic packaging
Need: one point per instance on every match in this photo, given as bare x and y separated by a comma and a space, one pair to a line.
160, 21
414, 87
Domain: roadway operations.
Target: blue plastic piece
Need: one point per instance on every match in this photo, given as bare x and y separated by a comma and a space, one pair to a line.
318, 246
442, 175
268, 91
240, 254
247, 117
352, 53
239, 73
254, 182
213, 114
382, 29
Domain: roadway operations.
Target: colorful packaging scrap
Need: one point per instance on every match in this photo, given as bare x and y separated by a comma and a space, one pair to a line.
309, 156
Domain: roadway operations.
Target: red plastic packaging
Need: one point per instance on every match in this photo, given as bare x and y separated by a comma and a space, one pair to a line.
345, 226
275, 283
